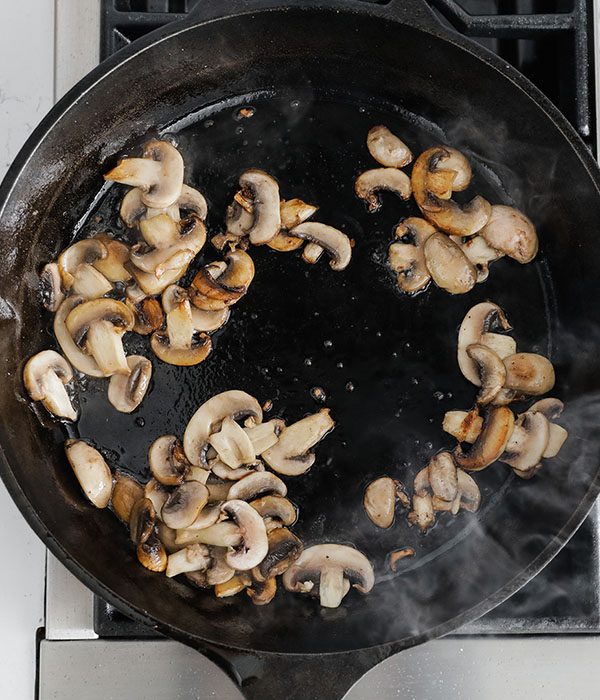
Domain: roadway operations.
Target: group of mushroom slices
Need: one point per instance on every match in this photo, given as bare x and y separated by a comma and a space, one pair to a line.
212, 511
258, 216
488, 358
453, 244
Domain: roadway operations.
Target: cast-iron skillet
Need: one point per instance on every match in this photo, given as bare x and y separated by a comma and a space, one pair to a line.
319, 75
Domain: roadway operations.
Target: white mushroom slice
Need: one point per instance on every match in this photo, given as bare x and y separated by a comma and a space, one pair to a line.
117, 254
125, 392
202, 321
160, 231
529, 373
45, 376
492, 372
502, 345
408, 259
479, 253
448, 266
208, 418
167, 461
158, 494
232, 444
336, 243
133, 208
510, 231
255, 485
98, 326
556, 440
294, 212
387, 148
148, 315
51, 286
369, 183
223, 471
195, 557
217, 490
527, 444
551, 409
436, 173
311, 253
264, 194
238, 220
380, 501
470, 496
159, 174
265, 435
422, 514
491, 442
151, 284
442, 476
290, 455
91, 471
321, 570
167, 536
84, 363
75, 265
208, 516
125, 494
254, 544
421, 481
477, 322
184, 504
192, 201
221, 534
179, 345
465, 426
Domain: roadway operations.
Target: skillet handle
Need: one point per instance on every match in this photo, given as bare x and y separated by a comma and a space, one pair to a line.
417, 13
267, 676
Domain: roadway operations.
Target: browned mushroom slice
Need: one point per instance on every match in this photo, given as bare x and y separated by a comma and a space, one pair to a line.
291, 454
311, 253
194, 557
167, 536
387, 148
265, 435
442, 476
125, 392
436, 173
263, 192
179, 345
470, 496
336, 243
148, 315
167, 461
448, 266
528, 441
528, 373
160, 231
389, 179
133, 208
232, 444
51, 286
255, 485
380, 501
232, 587
221, 534
45, 376
422, 514
231, 286
511, 232
327, 571
77, 271
221, 470
492, 372
465, 426
125, 494
400, 554
97, 328
159, 174
203, 321
276, 508
117, 254
151, 554
157, 493
141, 520
491, 442
91, 471
477, 323
479, 253
408, 258
262, 592
184, 504
284, 548
208, 516
254, 545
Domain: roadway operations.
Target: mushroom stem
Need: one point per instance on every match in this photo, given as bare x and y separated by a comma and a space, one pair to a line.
331, 586
107, 349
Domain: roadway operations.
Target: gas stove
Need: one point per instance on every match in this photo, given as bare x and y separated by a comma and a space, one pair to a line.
543, 641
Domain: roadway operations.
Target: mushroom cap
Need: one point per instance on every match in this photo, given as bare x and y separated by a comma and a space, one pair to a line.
125, 493
380, 501
198, 351
479, 253
491, 441
84, 315
408, 258
274, 506
311, 563
148, 315
290, 455
91, 471
208, 516
528, 441
126, 392
492, 372
442, 476
265, 199
117, 254
256, 484
262, 592
254, 545
184, 504
232, 284
387, 148
167, 460
208, 418
51, 286
284, 548
389, 179
85, 252
84, 363
470, 496
205, 321
44, 376
529, 373
511, 232
336, 243
227, 473
551, 408
141, 520
448, 266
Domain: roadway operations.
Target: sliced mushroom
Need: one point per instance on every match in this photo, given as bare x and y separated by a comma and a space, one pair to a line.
232, 587
167, 461
511, 232
380, 501
91, 471
322, 569
151, 554
265, 435
479, 320
400, 554
470, 496
311, 253
238, 220
422, 514
556, 440
257, 484
492, 372
133, 208
290, 455
442, 476
154, 491
465, 426
194, 557
293, 212
159, 174
230, 286
502, 345
97, 327
436, 173
276, 508
387, 148
389, 179
284, 548
84, 363
217, 488
208, 418
205, 321
262, 592
117, 254
51, 286
408, 259
479, 253
179, 345
227, 473
221, 534
141, 520
77, 271
125, 494
160, 231
528, 373
167, 536
528, 441
421, 481
193, 202
551, 409
448, 266
148, 315
491, 442
263, 191
208, 516
232, 444
45, 376
336, 243
126, 392
184, 504
254, 545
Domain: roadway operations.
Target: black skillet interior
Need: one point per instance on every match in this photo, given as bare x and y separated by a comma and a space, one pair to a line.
385, 362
